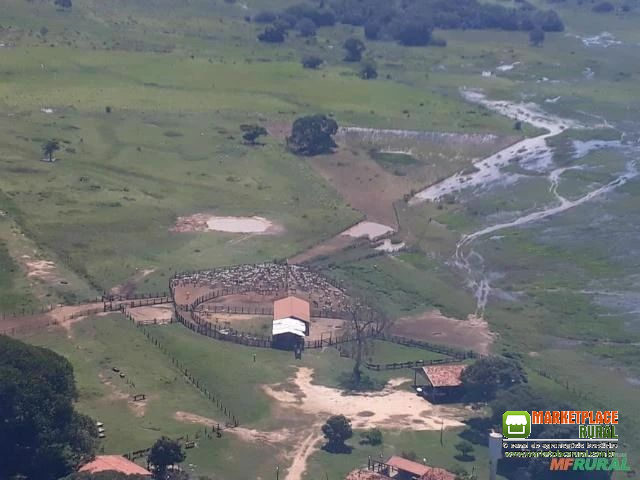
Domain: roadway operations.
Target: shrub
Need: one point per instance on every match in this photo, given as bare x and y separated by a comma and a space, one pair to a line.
265, 16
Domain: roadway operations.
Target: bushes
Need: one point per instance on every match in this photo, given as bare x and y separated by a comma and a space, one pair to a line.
413, 33
311, 61
603, 7
265, 16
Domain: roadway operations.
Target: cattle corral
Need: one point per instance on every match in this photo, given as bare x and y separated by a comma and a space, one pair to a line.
230, 296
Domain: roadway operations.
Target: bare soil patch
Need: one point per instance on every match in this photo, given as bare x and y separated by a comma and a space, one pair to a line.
138, 408
246, 434
129, 287
433, 326
363, 183
325, 248
160, 314
202, 222
392, 408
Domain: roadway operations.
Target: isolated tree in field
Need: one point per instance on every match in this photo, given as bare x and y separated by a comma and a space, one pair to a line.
252, 132
363, 323
306, 27
337, 430
603, 7
489, 374
312, 62
163, 453
312, 135
368, 69
41, 435
49, 148
465, 450
536, 37
275, 33
354, 48
63, 3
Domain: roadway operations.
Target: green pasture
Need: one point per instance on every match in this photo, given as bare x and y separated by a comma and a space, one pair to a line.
94, 347
426, 445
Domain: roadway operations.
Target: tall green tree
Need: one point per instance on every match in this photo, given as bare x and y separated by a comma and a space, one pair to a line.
42, 437
312, 135
536, 37
163, 453
354, 48
50, 147
489, 374
337, 430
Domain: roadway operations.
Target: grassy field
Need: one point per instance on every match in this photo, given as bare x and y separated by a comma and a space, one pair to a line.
425, 445
90, 345
180, 80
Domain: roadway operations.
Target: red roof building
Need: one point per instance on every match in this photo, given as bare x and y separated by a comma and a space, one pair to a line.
116, 463
292, 307
444, 375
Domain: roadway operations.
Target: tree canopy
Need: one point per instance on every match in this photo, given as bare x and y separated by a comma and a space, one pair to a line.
63, 3
312, 135
306, 27
163, 453
337, 430
42, 436
49, 148
274, 33
354, 47
312, 62
488, 374
368, 69
252, 132
536, 37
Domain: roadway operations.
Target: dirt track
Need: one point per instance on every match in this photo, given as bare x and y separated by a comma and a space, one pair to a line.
391, 408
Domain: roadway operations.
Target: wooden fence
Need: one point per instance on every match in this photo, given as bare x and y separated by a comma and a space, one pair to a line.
415, 364
201, 326
432, 347
114, 305
196, 382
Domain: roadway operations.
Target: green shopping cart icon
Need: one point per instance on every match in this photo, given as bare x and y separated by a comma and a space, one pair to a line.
516, 424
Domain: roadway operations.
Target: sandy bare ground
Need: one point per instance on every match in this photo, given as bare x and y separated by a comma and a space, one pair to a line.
370, 230
138, 408
160, 313
245, 434
433, 326
44, 270
202, 222
302, 454
391, 408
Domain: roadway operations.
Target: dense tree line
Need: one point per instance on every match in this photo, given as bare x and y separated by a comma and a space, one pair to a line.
388, 16
42, 437
409, 22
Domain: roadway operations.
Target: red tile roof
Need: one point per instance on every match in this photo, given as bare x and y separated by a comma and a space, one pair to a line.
438, 474
444, 375
365, 475
405, 465
291, 307
116, 463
